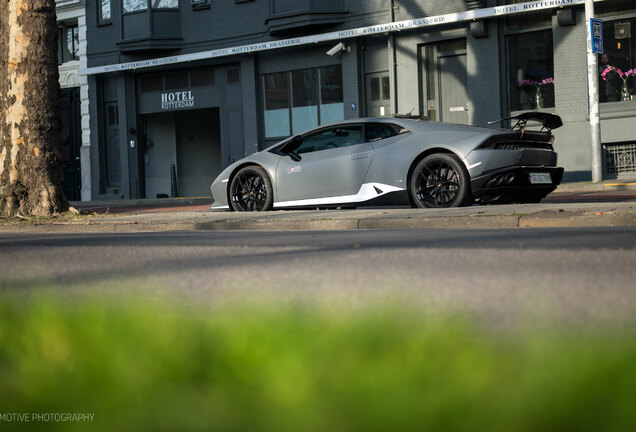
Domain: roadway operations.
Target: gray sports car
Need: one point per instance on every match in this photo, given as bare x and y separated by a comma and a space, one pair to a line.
395, 161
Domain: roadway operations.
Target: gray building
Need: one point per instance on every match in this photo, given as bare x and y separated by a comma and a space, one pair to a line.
180, 89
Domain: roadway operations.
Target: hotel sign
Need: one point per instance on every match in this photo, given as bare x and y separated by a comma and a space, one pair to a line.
177, 100
464, 16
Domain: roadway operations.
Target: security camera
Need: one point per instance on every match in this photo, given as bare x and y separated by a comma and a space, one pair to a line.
340, 46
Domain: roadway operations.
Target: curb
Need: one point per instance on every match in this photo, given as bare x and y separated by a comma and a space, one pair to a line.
542, 219
596, 187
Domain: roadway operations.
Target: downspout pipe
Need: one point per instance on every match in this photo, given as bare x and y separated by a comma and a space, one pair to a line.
393, 58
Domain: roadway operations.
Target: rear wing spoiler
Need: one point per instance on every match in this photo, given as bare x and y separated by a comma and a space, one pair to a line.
547, 121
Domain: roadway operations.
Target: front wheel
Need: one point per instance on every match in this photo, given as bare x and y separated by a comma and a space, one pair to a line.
251, 190
440, 180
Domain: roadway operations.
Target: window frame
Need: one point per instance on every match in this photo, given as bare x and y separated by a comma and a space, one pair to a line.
149, 7
507, 82
609, 18
100, 13
138, 11
62, 42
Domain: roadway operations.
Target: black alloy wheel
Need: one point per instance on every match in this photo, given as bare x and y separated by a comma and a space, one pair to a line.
440, 181
251, 190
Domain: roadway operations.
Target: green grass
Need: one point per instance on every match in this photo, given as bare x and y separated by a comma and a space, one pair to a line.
161, 367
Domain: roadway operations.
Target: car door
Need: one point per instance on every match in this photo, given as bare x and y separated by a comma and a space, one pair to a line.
334, 162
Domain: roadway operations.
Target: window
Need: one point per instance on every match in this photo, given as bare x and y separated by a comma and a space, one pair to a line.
67, 44
300, 100
276, 105
103, 11
142, 5
202, 77
177, 80
151, 83
336, 137
617, 65
379, 131
331, 106
165, 4
530, 70
134, 5
304, 100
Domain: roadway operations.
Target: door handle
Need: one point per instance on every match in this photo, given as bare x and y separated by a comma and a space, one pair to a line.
360, 156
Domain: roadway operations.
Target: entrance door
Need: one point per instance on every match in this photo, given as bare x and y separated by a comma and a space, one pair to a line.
444, 82
70, 137
378, 94
198, 144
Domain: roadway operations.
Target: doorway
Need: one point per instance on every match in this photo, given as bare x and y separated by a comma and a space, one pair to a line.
443, 90
70, 141
378, 94
182, 154
199, 156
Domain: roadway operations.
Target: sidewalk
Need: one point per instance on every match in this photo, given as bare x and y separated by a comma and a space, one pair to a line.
190, 214
607, 185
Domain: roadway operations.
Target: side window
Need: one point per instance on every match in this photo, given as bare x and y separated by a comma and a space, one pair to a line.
325, 139
379, 131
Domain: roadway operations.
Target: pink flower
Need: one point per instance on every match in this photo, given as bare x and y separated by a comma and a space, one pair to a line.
609, 69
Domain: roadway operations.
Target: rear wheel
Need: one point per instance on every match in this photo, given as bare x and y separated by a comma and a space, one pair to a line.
440, 180
251, 190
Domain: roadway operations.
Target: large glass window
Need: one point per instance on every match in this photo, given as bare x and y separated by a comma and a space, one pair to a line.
300, 100
331, 106
276, 105
530, 70
617, 65
304, 100
68, 44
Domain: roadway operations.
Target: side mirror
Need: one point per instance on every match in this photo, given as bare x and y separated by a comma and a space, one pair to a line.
291, 146
294, 156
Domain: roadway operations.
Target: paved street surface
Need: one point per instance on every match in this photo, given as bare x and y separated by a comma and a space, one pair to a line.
203, 204
582, 274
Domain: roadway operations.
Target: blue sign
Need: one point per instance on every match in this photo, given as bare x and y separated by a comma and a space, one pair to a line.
596, 27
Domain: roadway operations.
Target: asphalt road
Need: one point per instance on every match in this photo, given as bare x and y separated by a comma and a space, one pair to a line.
506, 275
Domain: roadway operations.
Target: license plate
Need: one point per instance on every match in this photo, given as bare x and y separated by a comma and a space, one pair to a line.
540, 178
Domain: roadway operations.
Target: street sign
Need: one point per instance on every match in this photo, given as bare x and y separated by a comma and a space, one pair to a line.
596, 27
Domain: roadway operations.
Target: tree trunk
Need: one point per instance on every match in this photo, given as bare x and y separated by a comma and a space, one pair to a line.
30, 169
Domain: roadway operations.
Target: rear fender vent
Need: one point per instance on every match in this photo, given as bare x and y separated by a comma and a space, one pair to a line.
514, 142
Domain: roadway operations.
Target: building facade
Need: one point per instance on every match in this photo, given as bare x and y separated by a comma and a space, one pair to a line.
73, 104
180, 89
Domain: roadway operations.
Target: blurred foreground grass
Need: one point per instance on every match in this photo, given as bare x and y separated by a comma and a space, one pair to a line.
162, 367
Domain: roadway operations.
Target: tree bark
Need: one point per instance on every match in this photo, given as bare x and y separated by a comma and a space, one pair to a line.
30, 168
